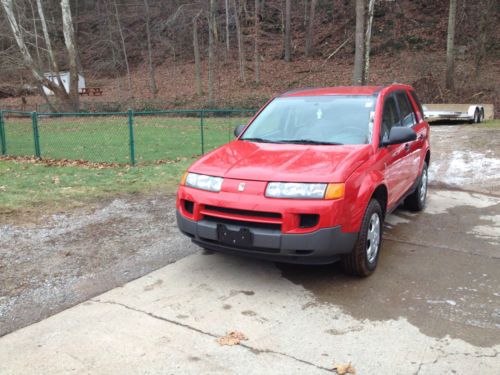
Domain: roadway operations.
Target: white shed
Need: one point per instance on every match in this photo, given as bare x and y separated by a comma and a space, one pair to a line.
65, 81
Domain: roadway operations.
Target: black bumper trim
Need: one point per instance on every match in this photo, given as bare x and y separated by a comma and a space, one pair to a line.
322, 246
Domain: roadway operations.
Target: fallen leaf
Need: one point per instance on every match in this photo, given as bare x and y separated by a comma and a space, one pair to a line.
344, 369
232, 338
56, 180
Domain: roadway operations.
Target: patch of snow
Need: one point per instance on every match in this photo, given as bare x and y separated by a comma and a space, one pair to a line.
465, 167
488, 231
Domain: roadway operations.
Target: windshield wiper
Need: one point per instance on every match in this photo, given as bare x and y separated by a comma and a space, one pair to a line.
258, 140
308, 142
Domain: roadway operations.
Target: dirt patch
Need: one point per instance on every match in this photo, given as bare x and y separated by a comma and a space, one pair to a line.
67, 258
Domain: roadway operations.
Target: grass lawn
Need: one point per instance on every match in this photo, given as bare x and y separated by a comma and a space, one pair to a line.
26, 186
106, 139
491, 124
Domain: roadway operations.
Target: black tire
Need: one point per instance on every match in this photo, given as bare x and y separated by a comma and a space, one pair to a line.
481, 115
416, 201
358, 262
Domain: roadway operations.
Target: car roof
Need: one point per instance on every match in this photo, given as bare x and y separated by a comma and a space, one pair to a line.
340, 90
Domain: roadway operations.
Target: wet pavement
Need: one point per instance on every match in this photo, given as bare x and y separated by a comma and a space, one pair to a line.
432, 306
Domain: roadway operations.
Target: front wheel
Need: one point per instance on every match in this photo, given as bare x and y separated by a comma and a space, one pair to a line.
362, 261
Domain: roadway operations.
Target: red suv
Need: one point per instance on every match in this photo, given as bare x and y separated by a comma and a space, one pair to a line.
311, 178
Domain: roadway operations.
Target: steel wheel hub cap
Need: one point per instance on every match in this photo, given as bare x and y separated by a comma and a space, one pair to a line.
423, 186
373, 238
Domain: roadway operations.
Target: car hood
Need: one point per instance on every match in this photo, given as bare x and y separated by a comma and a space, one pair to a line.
283, 162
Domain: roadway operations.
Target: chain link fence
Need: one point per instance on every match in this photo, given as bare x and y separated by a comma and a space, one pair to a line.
118, 137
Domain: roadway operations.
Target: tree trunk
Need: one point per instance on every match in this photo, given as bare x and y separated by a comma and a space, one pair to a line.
69, 40
357, 78
124, 49
152, 79
309, 35
211, 31
196, 48
486, 12
241, 51
256, 55
227, 26
52, 61
288, 33
450, 47
366, 73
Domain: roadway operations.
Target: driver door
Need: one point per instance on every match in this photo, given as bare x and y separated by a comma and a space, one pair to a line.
393, 156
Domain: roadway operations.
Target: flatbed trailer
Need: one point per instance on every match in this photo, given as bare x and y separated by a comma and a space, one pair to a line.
473, 113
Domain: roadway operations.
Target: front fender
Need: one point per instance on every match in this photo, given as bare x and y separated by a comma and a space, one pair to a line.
359, 190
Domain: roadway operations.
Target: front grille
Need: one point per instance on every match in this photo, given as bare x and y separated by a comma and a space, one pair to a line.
242, 223
243, 212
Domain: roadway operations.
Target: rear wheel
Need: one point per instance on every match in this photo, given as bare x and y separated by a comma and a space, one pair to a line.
362, 261
416, 200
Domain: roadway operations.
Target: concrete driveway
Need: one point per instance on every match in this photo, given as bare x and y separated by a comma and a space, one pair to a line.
432, 307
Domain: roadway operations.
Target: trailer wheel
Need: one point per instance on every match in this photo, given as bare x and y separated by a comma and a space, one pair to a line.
476, 118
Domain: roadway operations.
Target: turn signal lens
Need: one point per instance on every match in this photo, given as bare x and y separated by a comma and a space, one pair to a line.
335, 191
183, 178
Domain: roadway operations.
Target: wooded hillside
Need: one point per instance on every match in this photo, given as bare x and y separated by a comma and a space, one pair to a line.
175, 53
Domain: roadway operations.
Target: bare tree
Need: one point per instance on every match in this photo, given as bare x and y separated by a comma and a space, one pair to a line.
357, 78
310, 27
69, 40
196, 48
152, 79
124, 47
241, 51
369, 22
211, 37
288, 32
68, 102
256, 54
450, 47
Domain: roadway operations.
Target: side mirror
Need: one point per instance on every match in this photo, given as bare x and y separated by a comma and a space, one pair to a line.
238, 130
399, 134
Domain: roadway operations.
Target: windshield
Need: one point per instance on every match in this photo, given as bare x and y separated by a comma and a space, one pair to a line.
334, 119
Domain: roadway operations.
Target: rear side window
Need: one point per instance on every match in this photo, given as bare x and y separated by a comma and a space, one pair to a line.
390, 117
419, 105
407, 114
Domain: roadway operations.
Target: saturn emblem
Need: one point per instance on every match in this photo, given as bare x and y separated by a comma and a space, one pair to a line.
241, 186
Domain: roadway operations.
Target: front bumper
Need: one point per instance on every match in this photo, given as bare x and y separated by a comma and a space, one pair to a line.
322, 246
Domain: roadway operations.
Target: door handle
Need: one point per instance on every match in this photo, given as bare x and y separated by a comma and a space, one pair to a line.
407, 147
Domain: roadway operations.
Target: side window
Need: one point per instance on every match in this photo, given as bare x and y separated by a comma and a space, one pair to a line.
407, 114
419, 105
390, 117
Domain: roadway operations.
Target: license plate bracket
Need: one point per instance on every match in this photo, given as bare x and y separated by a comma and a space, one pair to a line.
241, 238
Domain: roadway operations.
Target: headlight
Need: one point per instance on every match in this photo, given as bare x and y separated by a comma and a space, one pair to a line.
295, 190
201, 181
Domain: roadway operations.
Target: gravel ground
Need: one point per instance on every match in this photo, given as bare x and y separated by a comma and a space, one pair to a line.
51, 262
70, 257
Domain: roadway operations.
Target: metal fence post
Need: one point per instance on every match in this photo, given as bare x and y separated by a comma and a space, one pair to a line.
202, 112
36, 137
131, 136
3, 142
